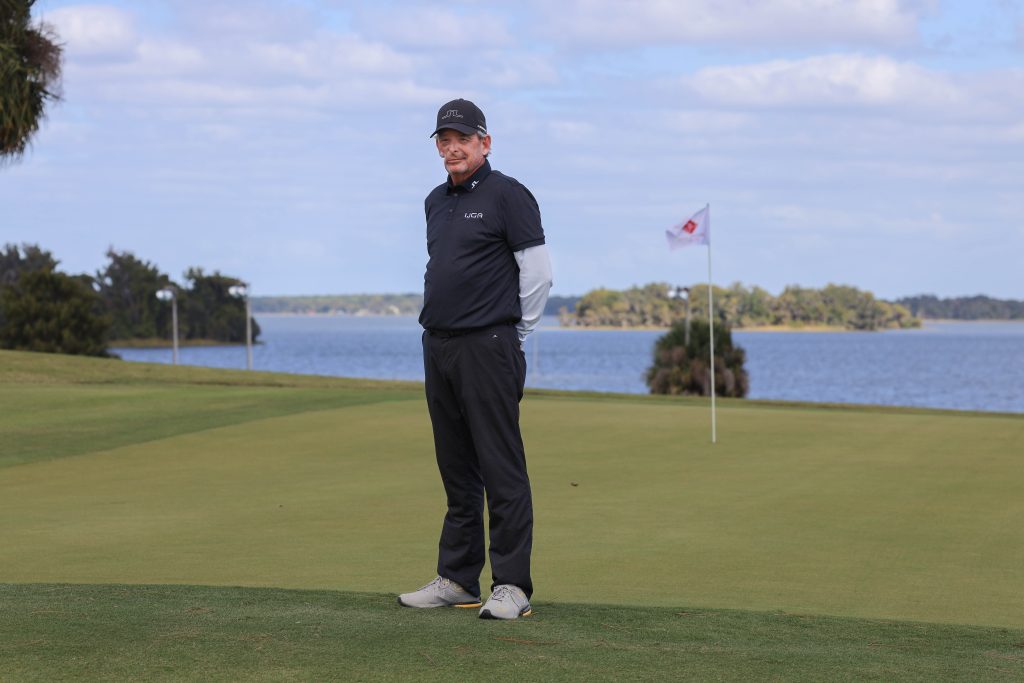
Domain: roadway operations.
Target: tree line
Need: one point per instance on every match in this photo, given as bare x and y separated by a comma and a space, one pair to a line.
651, 305
367, 304
45, 309
340, 304
963, 307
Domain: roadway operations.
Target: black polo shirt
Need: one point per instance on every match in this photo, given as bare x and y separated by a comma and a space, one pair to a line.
473, 229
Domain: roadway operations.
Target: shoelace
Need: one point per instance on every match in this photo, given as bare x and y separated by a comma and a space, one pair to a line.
440, 582
502, 593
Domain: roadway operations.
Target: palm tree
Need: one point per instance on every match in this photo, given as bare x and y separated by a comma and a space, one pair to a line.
682, 367
30, 61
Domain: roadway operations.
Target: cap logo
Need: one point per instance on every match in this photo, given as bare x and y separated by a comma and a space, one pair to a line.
451, 113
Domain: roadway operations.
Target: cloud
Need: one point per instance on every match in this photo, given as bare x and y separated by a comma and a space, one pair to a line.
91, 31
168, 57
572, 132
525, 71
251, 63
699, 122
282, 59
436, 27
232, 21
309, 119
326, 58
790, 23
1015, 133
826, 81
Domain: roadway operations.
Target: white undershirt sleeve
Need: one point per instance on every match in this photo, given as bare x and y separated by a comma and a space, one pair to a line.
534, 286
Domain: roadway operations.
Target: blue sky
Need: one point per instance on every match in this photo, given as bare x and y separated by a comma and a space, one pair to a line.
876, 143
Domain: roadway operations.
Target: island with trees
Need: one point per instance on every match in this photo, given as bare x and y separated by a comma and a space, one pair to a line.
838, 307
963, 307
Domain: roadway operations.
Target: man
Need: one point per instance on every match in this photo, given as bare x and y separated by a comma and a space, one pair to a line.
487, 280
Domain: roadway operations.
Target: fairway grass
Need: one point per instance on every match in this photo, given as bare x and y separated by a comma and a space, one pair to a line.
169, 478
153, 633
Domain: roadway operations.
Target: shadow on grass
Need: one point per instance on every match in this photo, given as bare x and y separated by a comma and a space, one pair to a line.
116, 632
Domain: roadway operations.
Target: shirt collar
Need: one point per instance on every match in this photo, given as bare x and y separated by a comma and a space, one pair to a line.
473, 181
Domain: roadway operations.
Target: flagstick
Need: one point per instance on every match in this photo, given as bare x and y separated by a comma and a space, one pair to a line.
697, 230
711, 319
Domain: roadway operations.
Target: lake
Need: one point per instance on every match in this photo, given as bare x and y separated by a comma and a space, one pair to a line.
959, 365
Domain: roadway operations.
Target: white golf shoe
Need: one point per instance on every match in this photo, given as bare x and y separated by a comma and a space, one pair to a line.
440, 592
506, 602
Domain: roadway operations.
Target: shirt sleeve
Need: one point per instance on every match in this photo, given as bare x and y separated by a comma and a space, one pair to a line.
534, 285
522, 218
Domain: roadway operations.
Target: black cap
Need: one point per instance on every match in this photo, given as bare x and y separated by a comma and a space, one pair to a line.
461, 115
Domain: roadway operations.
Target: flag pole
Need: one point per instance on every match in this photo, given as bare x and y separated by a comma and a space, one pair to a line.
697, 231
711, 321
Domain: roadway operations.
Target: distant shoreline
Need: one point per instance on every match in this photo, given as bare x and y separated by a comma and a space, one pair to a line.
762, 328
287, 314
647, 328
167, 343
974, 320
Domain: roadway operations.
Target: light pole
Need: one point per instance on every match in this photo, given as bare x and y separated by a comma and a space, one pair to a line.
242, 292
170, 293
684, 292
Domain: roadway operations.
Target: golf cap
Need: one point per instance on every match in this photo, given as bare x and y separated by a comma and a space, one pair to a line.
461, 115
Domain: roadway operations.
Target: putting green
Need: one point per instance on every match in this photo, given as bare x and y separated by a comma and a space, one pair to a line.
858, 512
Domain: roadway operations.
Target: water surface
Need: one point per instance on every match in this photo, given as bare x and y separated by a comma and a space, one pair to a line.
960, 365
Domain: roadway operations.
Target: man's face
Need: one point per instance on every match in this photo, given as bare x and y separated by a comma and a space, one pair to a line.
463, 153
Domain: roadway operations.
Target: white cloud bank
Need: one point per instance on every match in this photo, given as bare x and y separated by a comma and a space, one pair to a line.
95, 31
791, 23
310, 119
826, 81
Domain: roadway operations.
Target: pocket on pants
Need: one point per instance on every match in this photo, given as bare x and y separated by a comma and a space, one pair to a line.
518, 361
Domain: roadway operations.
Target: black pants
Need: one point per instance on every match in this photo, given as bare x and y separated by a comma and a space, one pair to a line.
474, 382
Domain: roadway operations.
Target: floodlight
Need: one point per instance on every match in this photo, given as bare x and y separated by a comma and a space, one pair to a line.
241, 291
171, 294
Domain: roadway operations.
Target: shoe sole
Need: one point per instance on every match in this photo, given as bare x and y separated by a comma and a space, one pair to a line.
486, 614
463, 605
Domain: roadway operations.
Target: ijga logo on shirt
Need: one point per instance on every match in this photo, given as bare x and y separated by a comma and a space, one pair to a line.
473, 215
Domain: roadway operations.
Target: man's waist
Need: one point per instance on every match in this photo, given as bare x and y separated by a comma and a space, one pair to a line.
447, 334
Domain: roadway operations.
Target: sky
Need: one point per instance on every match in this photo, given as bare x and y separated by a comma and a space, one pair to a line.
873, 143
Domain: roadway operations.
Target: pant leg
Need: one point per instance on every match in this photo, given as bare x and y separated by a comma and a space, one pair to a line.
488, 378
460, 554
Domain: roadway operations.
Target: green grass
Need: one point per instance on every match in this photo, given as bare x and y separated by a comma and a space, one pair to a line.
114, 473
53, 406
74, 633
